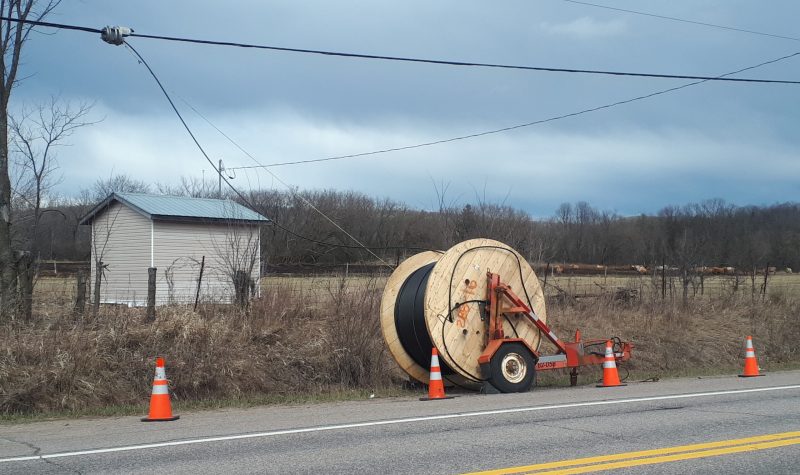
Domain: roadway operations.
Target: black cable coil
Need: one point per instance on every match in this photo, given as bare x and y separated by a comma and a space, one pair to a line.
409, 319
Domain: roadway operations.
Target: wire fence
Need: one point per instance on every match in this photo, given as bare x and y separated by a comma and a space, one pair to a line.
317, 289
54, 294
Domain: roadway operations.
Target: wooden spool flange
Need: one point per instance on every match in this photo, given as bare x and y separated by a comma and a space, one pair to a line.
460, 275
388, 302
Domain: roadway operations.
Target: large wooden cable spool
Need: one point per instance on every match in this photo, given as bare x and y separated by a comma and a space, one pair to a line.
434, 299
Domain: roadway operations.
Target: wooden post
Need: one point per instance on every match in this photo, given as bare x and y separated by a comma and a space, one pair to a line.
702, 283
80, 295
199, 281
685, 284
152, 272
764, 286
25, 285
544, 284
663, 279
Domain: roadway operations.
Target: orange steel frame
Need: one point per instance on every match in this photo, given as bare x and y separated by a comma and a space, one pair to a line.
568, 354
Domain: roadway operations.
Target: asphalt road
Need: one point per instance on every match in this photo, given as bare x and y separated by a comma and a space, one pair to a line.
744, 425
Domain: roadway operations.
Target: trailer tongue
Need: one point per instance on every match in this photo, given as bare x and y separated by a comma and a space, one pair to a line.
504, 360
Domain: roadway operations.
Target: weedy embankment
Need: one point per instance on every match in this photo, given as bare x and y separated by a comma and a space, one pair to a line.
289, 347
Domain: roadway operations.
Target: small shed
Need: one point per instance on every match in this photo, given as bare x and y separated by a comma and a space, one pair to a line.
179, 236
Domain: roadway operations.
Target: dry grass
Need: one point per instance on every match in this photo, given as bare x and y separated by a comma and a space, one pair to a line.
650, 286
314, 288
705, 337
280, 347
323, 339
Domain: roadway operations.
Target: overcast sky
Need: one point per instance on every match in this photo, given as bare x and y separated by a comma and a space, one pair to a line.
735, 141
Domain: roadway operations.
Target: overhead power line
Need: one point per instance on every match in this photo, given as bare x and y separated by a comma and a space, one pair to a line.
235, 190
683, 20
409, 59
513, 127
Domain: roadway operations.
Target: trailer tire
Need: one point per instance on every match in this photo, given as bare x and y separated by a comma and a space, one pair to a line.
512, 368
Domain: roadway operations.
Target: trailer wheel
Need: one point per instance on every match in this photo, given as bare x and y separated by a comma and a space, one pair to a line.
513, 368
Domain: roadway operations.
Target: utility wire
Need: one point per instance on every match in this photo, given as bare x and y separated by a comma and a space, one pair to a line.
225, 179
410, 59
700, 79
514, 127
683, 20
289, 187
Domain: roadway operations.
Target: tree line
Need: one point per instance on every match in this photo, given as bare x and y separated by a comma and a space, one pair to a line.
711, 233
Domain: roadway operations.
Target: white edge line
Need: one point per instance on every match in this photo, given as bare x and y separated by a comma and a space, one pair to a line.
387, 422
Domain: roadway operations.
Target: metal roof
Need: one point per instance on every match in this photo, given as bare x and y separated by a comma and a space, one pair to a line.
179, 208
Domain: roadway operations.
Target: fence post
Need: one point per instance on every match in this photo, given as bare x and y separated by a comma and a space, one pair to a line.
151, 294
764, 286
702, 283
25, 285
199, 281
544, 284
80, 294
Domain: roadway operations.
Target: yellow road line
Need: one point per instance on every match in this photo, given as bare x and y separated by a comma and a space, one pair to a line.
672, 458
644, 453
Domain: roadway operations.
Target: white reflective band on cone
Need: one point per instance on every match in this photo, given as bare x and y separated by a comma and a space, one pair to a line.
161, 373
437, 376
750, 354
434, 360
160, 389
609, 364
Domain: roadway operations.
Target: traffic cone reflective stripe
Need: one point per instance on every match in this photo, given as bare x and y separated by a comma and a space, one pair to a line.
750, 362
160, 406
435, 384
610, 374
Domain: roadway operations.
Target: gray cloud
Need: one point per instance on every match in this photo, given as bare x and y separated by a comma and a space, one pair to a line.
732, 141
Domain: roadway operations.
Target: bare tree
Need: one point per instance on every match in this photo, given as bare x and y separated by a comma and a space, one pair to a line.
238, 254
35, 135
119, 183
101, 234
190, 186
240, 258
13, 36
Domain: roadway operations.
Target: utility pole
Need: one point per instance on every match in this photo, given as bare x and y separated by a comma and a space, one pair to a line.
219, 186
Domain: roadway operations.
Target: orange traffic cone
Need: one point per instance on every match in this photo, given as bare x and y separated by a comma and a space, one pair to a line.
610, 374
750, 363
160, 407
435, 384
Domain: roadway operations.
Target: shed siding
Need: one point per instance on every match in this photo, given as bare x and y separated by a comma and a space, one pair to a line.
179, 248
121, 236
